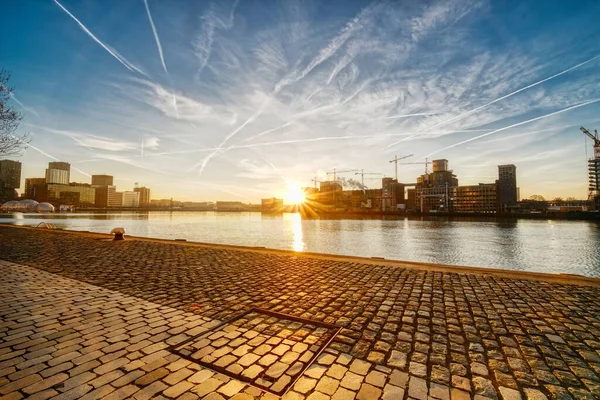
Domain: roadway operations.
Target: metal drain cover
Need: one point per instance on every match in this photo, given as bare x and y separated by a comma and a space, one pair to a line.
261, 348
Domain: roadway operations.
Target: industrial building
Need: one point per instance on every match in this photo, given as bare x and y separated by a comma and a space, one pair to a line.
434, 191
480, 198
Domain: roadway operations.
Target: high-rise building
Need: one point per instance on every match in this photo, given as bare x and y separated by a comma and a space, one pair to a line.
58, 172
102, 180
10, 174
10, 179
507, 187
144, 195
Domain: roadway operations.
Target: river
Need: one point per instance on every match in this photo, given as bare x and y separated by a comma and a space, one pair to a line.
526, 245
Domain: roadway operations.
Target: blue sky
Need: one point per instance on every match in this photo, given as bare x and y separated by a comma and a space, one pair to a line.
235, 99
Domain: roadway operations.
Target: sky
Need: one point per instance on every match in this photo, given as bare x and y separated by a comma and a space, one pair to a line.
236, 100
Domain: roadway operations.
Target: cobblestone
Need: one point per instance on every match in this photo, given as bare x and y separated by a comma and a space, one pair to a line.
426, 333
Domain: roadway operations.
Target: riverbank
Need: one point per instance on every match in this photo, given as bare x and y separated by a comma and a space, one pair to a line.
421, 329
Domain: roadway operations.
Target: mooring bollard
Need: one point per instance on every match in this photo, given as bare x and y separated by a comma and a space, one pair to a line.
119, 233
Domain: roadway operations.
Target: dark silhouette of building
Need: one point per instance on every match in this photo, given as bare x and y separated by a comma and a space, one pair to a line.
30, 184
329, 193
10, 179
507, 188
392, 195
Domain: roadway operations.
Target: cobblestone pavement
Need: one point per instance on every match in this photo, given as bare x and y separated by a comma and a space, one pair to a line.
454, 334
63, 339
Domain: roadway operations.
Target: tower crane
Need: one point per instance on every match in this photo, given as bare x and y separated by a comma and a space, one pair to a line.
396, 159
315, 180
362, 174
334, 172
426, 162
595, 139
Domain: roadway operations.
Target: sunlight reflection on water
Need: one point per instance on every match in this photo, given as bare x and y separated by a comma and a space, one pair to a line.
525, 245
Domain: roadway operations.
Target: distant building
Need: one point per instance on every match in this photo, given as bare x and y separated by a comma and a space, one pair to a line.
58, 172
272, 204
329, 193
130, 199
144, 196
102, 180
480, 198
30, 183
507, 188
115, 199
594, 182
75, 194
411, 199
105, 196
229, 206
10, 179
310, 193
434, 190
435, 199
392, 195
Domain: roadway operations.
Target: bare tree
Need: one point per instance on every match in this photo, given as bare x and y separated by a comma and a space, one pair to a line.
11, 142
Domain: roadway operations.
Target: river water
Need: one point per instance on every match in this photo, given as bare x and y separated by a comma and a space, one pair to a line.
526, 245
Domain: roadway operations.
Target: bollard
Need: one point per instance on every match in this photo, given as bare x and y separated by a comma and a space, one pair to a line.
119, 233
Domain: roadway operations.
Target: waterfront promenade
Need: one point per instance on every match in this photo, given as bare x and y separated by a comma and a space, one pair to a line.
83, 315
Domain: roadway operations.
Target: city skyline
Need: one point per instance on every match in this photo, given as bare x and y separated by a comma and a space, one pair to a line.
202, 102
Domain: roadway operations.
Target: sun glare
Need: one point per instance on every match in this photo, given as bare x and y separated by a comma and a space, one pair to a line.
294, 194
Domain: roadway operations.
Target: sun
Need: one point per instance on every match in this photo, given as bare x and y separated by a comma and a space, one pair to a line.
294, 194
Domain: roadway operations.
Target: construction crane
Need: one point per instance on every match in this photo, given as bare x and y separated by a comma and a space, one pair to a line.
594, 137
362, 174
334, 172
396, 159
315, 180
426, 162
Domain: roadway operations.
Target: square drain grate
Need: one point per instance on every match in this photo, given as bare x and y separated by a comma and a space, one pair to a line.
261, 348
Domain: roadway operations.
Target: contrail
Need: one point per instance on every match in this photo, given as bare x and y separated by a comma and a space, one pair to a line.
50, 156
112, 52
514, 125
294, 77
292, 141
31, 110
252, 118
268, 131
160, 52
495, 101
409, 115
